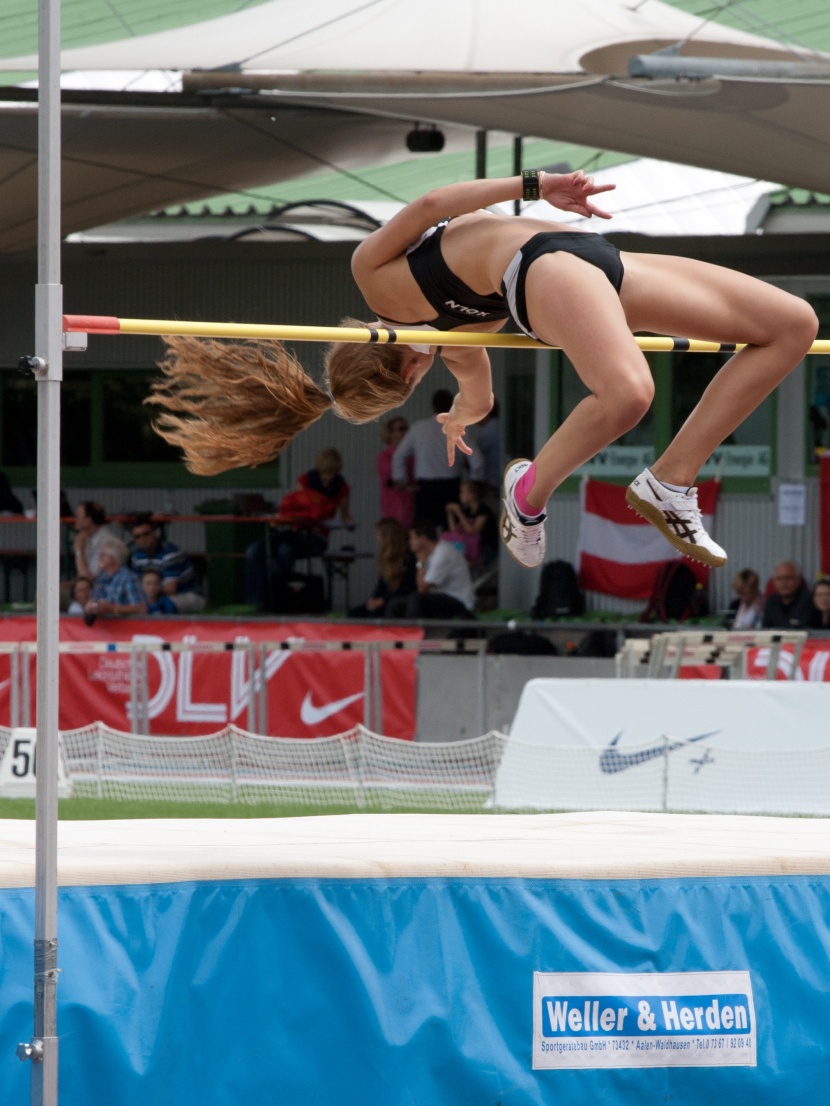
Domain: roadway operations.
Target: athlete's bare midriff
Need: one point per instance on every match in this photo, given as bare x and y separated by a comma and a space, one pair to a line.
477, 247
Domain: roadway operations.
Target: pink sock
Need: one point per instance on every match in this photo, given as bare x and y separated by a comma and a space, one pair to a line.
523, 485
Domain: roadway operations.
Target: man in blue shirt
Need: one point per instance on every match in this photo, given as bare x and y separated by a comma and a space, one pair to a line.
116, 590
178, 576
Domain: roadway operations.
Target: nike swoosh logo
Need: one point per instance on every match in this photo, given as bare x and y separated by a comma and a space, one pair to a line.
612, 760
313, 716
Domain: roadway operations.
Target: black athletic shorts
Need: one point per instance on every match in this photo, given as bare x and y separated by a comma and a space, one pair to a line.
593, 248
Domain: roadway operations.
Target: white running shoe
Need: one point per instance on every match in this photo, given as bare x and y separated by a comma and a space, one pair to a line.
525, 541
677, 516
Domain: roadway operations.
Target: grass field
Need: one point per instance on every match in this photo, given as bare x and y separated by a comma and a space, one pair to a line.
91, 809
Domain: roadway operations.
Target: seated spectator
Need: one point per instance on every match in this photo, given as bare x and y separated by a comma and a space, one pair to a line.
396, 570
302, 531
178, 576
396, 501
747, 610
474, 523
91, 531
154, 596
820, 618
444, 586
80, 593
116, 590
790, 606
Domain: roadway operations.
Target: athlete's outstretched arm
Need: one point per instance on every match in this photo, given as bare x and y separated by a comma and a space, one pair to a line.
567, 191
471, 368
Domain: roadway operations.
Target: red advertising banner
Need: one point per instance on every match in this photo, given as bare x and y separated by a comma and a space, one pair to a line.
701, 672
813, 664
308, 693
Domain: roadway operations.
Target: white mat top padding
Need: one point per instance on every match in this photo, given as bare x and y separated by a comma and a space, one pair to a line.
595, 845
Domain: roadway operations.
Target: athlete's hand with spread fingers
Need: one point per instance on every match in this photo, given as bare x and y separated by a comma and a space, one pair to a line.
454, 429
572, 192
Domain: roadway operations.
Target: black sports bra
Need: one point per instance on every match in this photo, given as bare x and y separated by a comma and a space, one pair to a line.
453, 301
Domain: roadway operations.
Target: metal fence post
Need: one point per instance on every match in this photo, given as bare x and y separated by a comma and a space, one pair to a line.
368, 699
14, 687
134, 723
250, 655
26, 684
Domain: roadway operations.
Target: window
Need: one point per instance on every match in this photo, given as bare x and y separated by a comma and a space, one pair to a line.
680, 380
629, 454
107, 437
520, 395
747, 451
127, 431
19, 421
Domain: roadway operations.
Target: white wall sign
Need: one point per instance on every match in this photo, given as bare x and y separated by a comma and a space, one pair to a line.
643, 1020
728, 746
792, 504
19, 764
727, 460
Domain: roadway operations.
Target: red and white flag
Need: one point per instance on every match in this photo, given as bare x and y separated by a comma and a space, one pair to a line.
619, 553
824, 513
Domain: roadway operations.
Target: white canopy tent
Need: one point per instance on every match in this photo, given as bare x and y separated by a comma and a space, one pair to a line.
127, 158
657, 198
261, 103
466, 36
764, 128
662, 198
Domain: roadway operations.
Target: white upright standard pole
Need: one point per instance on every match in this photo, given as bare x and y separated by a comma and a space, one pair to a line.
47, 365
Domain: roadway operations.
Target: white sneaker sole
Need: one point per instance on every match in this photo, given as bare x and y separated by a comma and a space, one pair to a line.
515, 461
651, 514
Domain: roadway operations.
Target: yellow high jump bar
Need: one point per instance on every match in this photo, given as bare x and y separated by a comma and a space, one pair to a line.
383, 335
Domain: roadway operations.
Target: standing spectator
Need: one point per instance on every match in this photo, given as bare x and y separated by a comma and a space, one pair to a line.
116, 590
396, 570
444, 585
486, 461
395, 501
91, 532
154, 596
790, 606
426, 444
80, 594
747, 611
178, 576
820, 618
474, 522
302, 531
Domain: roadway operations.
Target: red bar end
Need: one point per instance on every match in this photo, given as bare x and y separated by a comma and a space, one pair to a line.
92, 324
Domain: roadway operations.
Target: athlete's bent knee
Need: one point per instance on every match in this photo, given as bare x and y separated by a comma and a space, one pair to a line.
631, 402
796, 326
805, 323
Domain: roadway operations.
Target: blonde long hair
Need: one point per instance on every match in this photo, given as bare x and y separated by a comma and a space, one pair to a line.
231, 404
393, 550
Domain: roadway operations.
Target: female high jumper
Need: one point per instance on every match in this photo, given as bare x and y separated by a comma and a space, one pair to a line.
446, 263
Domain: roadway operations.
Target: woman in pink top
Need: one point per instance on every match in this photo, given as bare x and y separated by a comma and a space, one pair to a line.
395, 502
